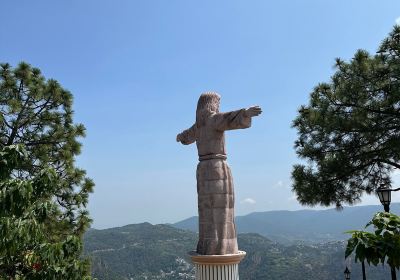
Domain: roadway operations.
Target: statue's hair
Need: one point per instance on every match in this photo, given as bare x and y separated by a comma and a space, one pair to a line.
208, 104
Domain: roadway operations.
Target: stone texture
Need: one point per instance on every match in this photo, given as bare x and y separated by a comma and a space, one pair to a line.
217, 232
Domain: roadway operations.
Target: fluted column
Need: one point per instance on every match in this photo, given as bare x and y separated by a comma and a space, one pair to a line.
217, 267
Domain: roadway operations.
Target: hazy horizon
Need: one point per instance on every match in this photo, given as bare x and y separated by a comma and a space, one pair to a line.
302, 209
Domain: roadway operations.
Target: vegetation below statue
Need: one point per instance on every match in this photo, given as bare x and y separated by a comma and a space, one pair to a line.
145, 251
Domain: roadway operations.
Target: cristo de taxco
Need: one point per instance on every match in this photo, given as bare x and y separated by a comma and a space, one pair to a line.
217, 255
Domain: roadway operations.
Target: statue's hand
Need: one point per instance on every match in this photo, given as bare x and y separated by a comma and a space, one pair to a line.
253, 111
178, 138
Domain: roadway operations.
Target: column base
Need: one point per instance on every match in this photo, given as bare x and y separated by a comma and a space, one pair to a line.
217, 267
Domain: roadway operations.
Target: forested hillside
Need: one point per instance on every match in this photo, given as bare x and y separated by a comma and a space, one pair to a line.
145, 251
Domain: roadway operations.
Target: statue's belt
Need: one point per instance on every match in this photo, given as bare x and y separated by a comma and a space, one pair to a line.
212, 156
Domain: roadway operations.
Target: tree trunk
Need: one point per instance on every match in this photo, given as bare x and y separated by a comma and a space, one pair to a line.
363, 271
393, 270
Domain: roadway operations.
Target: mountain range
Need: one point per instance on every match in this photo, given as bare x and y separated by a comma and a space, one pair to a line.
146, 251
307, 226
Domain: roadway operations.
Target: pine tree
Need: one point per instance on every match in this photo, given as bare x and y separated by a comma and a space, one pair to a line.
27, 250
349, 133
38, 113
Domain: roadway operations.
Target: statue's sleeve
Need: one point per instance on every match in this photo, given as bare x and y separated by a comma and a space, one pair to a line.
231, 120
188, 136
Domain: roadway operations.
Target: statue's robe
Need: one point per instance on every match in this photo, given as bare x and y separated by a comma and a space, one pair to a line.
217, 232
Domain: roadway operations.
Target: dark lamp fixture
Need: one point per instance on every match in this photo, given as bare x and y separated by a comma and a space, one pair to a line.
384, 194
347, 273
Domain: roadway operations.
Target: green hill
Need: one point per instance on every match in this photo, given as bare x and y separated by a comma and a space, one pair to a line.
145, 251
138, 251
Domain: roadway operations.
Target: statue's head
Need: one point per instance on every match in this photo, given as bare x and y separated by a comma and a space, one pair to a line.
208, 104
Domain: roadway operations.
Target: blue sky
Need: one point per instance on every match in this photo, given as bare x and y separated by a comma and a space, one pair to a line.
136, 69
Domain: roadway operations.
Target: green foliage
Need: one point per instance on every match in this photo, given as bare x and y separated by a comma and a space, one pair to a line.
350, 131
38, 113
380, 246
27, 249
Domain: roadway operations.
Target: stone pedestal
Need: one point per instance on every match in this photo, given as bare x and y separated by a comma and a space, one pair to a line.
217, 267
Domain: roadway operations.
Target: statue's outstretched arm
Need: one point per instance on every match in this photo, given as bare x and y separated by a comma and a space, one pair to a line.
187, 136
235, 119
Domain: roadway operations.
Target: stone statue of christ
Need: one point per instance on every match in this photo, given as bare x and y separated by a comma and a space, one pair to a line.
217, 233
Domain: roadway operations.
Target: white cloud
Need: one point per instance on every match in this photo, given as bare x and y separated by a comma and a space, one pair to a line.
248, 201
398, 21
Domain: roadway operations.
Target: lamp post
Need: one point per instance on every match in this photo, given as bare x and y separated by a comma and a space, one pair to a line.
347, 273
385, 196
